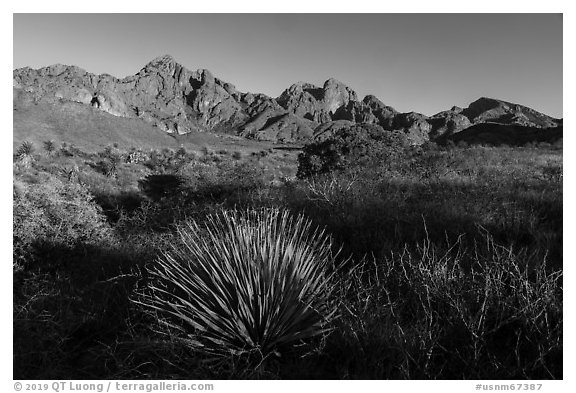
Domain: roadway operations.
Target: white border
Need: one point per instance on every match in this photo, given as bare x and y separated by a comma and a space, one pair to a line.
298, 6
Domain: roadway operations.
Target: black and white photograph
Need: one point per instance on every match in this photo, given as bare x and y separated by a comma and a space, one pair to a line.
287, 196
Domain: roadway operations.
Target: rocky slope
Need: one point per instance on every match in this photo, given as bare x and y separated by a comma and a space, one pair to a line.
179, 101
497, 134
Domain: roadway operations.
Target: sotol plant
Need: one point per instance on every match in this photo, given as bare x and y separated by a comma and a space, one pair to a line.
251, 282
26, 149
49, 146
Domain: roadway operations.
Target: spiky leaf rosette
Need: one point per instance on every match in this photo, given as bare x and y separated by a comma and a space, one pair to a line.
257, 280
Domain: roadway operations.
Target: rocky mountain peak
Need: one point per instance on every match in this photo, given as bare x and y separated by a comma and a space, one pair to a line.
376, 105
337, 94
333, 83
161, 61
165, 65
371, 99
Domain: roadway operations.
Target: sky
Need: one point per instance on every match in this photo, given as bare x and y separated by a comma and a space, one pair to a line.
413, 62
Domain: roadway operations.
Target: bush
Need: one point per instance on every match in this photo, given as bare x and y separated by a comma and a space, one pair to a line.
49, 146
159, 186
54, 215
222, 180
254, 282
25, 149
451, 312
107, 167
25, 153
356, 146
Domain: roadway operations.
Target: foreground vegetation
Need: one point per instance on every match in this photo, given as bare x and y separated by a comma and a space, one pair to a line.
434, 262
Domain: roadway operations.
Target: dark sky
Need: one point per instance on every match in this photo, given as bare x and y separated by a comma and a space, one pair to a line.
413, 62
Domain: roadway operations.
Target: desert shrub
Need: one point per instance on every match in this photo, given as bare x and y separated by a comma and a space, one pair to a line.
168, 160
357, 146
24, 155
158, 186
168, 154
71, 150
449, 311
553, 172
54, 214
226, 179
108, 167
427, 164
25, 149
49, 146
181, 152
154, 161
245, 283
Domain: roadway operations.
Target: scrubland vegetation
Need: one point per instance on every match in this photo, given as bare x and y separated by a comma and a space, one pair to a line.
365, 259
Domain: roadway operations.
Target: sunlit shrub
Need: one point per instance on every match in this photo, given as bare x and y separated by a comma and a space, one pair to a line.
359, 145
54, 213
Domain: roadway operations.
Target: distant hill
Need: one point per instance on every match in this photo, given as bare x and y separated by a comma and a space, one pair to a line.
168, 97
496, 134
497, 111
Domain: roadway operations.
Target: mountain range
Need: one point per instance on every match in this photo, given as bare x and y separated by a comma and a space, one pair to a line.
168, 96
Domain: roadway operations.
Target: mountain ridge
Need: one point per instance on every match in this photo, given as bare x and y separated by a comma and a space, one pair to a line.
174, 99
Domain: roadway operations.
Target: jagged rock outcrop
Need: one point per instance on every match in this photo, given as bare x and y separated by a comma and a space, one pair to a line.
370, 110
448, 122
415, 125
314, 103
373, 111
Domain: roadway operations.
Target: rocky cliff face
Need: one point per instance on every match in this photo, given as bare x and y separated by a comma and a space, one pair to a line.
177, 100
314, 103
